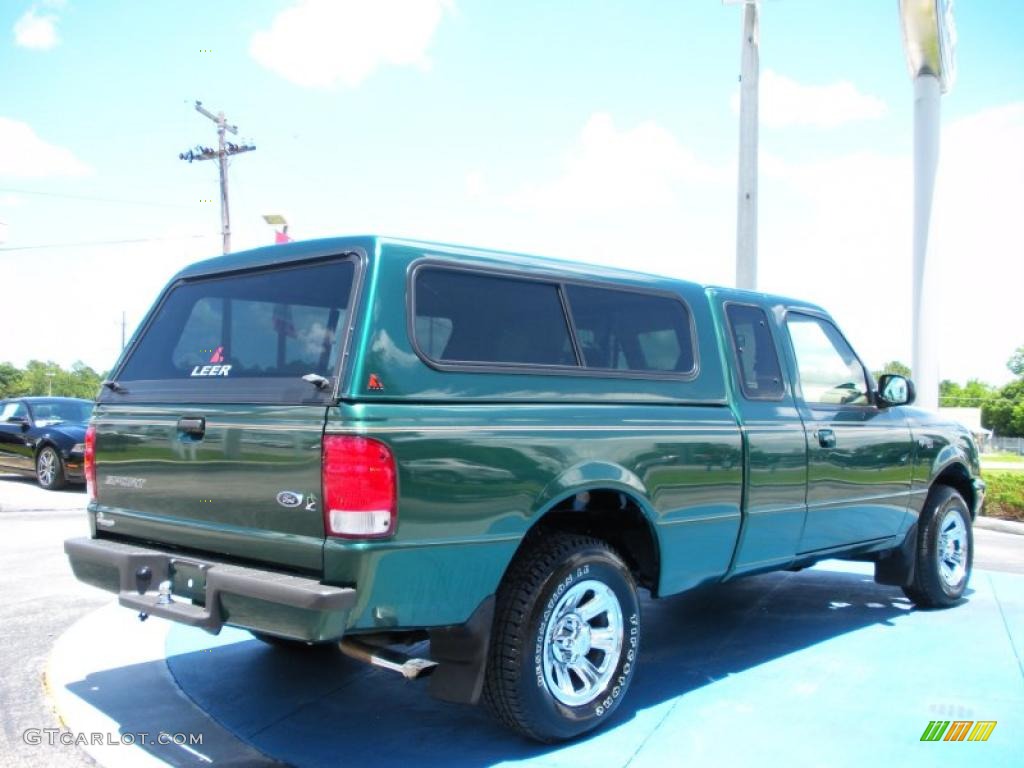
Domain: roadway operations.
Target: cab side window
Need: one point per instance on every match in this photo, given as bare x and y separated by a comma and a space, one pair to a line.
829, 371
757, 360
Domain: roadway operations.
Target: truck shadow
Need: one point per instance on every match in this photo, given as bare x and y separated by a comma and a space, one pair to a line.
315, 707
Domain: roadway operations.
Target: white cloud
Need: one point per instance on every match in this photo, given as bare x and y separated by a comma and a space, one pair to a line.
476, 184
608, 170
322, 43
23, 154
783, 101
838, 232
114, 277
36, 31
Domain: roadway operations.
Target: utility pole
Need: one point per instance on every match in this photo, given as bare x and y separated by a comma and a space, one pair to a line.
746, 200
223, 151
124, 323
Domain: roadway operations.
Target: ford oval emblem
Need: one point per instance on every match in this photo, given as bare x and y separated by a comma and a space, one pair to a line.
289, 499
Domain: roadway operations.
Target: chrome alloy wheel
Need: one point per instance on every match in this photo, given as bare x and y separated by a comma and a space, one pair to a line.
582, 643
952, 550
46, 466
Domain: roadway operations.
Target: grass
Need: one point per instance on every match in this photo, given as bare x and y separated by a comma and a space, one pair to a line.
1004, 497
1003, 457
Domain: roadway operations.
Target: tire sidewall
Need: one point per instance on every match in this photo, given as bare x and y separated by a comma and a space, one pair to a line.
952, 505
559, 718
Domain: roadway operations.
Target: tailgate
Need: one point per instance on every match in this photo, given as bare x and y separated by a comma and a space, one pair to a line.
234, 480
208, 436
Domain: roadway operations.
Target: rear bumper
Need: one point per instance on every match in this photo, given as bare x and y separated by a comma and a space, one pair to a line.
210, 594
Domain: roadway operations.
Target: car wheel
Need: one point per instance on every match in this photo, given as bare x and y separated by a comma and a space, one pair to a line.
565, 639
945, 550
50, 469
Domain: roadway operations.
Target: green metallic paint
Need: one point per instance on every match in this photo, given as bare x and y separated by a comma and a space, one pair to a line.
775, 456
218, 493
860, 489
383, 346
482, 456
474, 478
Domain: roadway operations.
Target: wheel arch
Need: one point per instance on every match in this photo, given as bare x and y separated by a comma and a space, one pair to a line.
613, 511
957, 476
43, 442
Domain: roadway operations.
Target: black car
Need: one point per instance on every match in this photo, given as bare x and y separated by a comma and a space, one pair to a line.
44, 436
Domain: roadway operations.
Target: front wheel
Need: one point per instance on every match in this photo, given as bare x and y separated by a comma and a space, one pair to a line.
50, 469
566, 637
945, 550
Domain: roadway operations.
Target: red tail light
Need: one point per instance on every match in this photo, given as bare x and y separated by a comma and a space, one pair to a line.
90, 462
360, 488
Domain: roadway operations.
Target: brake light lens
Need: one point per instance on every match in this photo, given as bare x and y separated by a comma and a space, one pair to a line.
90, 462
359, 488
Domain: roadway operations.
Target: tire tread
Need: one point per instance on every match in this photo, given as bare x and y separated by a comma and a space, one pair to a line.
925, 591
519, 589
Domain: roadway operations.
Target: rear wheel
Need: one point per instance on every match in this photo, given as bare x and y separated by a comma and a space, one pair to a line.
50, 469
566, 637
945, 550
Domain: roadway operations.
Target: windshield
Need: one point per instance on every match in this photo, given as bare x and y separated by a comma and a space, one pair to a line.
59, 412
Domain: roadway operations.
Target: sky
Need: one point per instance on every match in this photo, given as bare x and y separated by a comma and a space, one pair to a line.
604, 131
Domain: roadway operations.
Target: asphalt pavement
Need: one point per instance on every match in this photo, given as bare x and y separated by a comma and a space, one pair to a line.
741, 646
41, 599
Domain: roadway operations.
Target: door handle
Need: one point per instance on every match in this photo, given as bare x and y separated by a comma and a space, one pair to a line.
196, 427
826, 438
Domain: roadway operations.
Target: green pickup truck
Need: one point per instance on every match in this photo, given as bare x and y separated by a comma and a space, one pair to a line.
378, 443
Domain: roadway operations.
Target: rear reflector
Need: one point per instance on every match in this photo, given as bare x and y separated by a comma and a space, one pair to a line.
360, 495
90, 462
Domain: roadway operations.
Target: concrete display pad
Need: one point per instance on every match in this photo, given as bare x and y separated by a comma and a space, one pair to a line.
821, 667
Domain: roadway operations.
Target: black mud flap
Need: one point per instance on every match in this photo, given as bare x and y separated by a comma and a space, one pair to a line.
461, 654
897, 567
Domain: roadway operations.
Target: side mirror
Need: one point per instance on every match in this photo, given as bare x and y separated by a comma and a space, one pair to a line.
894, 389
20, 420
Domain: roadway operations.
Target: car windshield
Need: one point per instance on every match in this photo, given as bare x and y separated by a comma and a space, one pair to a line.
45, 414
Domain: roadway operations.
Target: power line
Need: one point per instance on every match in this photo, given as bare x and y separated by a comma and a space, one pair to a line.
103, 242
94, 199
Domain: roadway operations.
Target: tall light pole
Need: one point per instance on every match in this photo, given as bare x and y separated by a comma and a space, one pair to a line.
929, 38
223, 151
746, 199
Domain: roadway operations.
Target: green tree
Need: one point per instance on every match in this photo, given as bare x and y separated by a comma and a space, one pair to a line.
1016, 361
10, 379
45, 378
38, 378
83, 381
973, 394
893, 366
1004, 413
